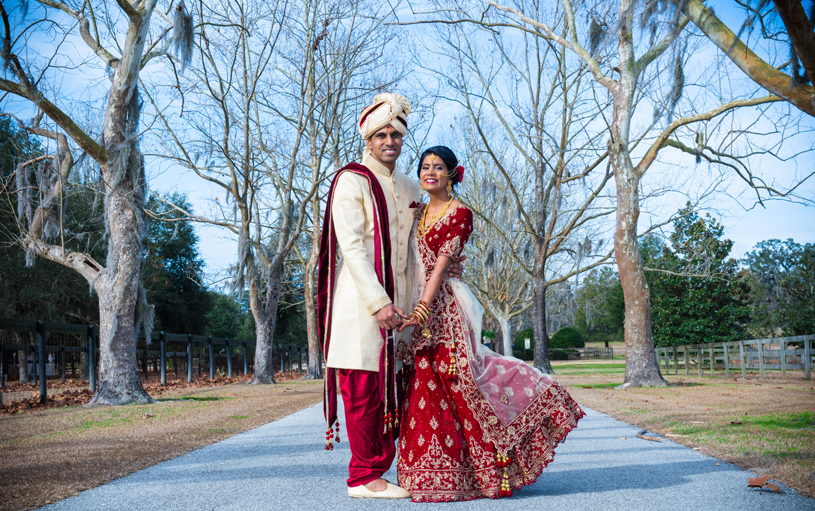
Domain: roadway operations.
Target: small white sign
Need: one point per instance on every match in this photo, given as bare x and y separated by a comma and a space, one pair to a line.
526, 343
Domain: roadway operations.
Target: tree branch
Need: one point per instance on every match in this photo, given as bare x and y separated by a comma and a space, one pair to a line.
765, 75
651, 155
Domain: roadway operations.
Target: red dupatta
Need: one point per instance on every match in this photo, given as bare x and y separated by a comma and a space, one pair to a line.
325, 288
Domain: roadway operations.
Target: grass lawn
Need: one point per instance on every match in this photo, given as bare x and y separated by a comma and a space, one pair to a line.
764, 425
48, 455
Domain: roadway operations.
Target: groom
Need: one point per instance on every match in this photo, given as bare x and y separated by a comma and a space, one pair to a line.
363, 293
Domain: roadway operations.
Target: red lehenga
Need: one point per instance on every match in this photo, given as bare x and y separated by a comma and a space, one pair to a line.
490, 428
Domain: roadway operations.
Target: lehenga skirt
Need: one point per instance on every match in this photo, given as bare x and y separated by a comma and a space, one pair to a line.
445, 453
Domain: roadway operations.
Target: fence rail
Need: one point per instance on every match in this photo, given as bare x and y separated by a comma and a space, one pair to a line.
59, 350
784, 353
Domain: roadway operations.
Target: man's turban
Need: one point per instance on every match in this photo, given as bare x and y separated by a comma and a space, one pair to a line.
387, 109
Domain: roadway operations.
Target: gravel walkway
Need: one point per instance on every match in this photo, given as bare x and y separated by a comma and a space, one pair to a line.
283, 465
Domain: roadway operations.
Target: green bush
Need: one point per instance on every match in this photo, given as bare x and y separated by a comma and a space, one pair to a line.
524, 334
567, 337
558, 355
524, 354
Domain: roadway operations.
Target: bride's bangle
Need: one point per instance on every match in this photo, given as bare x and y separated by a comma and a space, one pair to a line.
422, 312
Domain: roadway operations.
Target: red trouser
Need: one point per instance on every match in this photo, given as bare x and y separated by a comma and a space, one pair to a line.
371, 453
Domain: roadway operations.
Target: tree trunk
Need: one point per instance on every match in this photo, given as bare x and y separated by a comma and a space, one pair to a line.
22, 363
265, 320
539, 323
118, 289
314, 370
506, 333
641, 367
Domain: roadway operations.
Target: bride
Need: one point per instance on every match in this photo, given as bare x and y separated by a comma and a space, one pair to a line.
474, 423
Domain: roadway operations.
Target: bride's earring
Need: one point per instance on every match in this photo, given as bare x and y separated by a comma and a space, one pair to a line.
449, 189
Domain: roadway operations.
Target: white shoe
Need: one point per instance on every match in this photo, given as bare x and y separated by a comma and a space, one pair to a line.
390, 492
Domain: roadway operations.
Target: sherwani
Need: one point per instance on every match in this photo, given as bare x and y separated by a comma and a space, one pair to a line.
356, 342
355, 338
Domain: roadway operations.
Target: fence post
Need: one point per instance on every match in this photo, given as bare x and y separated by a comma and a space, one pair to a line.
189, 358
162, 340
228, 357
282, 357
742, 361
92, 333
783, 346
299, 360
807, 358
699, 353
41, 361
211, 358
726, 361
61, 361
290, 353
245, 360
761, 357
712, 359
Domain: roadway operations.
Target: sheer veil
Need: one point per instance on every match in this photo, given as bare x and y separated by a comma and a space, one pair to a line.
507, 383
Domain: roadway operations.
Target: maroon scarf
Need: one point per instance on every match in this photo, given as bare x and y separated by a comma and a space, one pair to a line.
325, 288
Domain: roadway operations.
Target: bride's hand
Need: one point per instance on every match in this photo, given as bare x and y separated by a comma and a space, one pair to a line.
411, 321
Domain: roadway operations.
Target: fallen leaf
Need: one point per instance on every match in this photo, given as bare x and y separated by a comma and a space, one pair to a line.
758, 482
773, 487
147, 415
718, 464
735, 422
623, 438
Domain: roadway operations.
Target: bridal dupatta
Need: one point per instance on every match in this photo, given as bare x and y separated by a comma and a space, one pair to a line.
325, 288
515, 392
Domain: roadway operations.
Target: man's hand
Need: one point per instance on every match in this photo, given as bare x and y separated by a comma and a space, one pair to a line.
389, 316
456, 270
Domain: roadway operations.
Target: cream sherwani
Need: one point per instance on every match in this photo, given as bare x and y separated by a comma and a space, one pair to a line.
356, 342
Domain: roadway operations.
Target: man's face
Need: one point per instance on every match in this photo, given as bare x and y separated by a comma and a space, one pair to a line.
385, 146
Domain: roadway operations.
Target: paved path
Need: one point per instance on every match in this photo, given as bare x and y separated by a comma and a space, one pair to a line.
282, 465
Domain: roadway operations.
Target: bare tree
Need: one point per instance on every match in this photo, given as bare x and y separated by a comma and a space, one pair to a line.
296, 66
530, 108
494, 271
121, 37
659, 31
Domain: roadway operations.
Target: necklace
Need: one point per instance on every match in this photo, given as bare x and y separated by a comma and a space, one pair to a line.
423, 228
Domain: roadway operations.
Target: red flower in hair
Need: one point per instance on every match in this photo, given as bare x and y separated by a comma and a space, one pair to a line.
460, 172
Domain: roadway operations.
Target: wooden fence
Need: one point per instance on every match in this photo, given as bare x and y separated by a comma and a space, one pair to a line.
58, 349
784, 353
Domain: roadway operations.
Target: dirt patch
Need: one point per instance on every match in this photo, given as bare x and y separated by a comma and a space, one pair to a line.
49, 454
763, 425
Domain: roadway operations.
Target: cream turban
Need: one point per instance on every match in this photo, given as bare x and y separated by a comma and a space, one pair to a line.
387, 109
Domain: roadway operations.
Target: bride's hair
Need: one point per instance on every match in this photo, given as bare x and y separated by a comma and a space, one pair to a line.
447, 156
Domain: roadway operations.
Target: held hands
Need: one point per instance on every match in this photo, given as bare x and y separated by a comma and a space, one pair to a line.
390, 317
410, 321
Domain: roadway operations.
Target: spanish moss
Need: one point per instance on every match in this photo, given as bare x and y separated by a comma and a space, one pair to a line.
183, 34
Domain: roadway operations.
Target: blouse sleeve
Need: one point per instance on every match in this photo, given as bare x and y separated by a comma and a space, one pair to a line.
460, 229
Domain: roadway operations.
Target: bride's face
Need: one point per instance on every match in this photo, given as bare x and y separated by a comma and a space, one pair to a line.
433, 175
